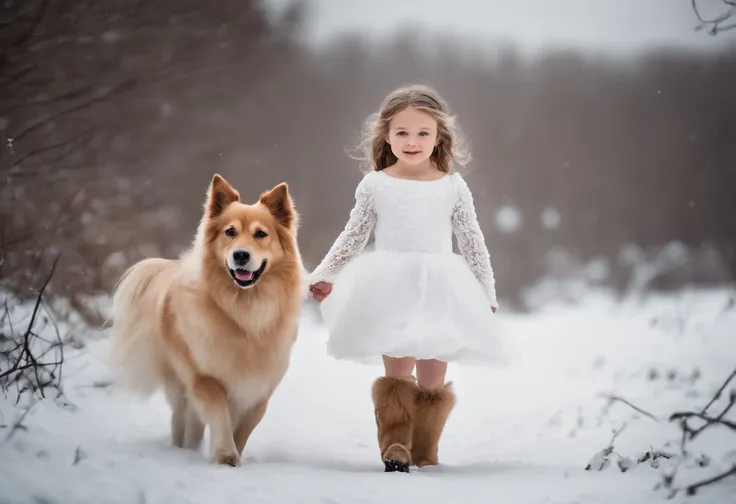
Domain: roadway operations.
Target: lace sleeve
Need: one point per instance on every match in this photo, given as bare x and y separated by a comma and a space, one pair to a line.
471, 241
354, 236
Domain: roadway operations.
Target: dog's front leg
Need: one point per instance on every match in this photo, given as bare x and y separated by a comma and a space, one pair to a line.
247, 422
210, 399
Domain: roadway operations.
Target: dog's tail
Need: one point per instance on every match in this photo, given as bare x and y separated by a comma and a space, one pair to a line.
136, 358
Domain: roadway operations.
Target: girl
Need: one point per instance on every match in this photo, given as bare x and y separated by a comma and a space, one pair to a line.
411, 301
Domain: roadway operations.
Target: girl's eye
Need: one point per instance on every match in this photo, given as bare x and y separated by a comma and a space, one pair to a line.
401, 133
423, 133
260, 234
230, 232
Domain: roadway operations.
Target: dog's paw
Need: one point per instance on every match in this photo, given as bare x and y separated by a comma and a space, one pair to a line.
227, 457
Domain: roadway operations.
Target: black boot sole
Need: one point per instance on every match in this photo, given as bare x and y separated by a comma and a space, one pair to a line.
394, 466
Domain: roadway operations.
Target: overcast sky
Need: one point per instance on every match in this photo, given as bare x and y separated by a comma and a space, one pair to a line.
610, 25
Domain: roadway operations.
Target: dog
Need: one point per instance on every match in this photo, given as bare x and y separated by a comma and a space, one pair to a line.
214, 328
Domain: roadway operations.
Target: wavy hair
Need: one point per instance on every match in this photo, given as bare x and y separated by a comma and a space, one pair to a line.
376, 153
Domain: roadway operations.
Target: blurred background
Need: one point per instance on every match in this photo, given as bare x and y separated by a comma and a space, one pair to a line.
603, 133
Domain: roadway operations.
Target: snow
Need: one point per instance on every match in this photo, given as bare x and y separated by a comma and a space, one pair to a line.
524, 434
508, 219
550, 218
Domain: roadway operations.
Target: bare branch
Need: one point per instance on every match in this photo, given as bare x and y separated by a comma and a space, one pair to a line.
18, 425
613, 399
41, 150
25, 36
688, 433
27, 367
69, 95
708, 420
19, 74
715, 25
683, 416
720, 391
123, 86
692, 489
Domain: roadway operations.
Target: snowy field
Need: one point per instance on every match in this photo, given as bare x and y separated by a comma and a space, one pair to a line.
522, 435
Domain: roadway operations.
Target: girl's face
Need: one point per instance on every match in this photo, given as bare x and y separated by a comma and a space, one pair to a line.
412, 135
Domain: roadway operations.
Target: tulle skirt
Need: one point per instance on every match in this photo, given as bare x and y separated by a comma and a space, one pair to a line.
412, 304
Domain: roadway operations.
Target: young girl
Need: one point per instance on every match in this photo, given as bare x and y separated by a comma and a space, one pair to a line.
412, 301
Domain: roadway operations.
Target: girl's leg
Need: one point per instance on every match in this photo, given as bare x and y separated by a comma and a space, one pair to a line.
434, 402
431, 374
394, 397
398, 368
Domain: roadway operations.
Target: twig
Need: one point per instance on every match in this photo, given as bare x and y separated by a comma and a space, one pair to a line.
29, 368
19, 424
29, 331
34, 24
75, 93
683, 416
709, 420
47, 148
78, 456
720, 391
692, 489
18, 75
716, 23
690, 433
123, 86
617, 433
613, 398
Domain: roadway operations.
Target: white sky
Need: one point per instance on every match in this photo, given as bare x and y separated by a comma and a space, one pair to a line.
609, 25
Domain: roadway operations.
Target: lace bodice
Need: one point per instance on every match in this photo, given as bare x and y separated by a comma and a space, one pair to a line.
412, 216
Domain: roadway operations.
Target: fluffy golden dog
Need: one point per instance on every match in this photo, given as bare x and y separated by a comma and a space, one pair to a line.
215, 328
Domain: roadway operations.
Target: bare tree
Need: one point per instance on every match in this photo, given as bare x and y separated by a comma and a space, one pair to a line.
95, 98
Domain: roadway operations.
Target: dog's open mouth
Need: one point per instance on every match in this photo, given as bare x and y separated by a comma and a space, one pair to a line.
246, 278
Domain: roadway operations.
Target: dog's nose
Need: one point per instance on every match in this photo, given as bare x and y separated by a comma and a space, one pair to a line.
241, 257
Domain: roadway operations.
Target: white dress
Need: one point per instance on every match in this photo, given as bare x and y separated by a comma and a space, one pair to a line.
411, 296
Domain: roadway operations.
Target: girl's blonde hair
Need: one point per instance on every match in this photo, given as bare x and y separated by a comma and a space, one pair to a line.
376, 152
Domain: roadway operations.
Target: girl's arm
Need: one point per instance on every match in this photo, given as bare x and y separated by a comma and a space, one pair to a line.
471, 241
354, 236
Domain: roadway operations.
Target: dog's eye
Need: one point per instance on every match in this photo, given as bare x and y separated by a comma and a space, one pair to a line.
230, 231
260, 234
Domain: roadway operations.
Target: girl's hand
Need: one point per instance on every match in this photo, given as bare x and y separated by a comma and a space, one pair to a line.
320, 290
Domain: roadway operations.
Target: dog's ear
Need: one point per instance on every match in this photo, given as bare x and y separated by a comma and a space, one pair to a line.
279, 203
220, 195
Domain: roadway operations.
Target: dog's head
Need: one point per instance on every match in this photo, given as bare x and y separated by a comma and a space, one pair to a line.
248, 240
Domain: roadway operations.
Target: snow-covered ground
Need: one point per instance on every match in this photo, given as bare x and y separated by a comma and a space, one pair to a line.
521, 435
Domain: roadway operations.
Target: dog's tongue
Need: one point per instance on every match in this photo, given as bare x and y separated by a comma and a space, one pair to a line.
244, 275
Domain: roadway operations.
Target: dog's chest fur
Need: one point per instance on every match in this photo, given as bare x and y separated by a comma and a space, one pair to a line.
248, 365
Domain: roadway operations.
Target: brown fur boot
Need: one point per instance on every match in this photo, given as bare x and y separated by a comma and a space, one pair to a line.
393, 399
432, 410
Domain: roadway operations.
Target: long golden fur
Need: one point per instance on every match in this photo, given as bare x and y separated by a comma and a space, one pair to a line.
394, 401
218, 345
433, 407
